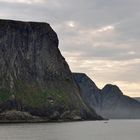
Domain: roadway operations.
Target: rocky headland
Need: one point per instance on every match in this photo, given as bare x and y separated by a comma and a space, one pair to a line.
36, 84
35, 80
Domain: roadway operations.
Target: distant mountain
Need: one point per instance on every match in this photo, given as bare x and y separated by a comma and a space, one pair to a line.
137, 98
109, 102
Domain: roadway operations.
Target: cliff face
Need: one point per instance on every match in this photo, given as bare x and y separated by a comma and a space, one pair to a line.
88, 88
137, 98
34, 77
108, 102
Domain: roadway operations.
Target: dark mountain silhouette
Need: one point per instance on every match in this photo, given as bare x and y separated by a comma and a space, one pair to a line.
109, 102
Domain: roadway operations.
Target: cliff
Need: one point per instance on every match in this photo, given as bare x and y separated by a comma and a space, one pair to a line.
137, 98
109, 102
34, 76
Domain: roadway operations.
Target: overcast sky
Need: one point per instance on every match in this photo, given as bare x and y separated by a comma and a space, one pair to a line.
98, 37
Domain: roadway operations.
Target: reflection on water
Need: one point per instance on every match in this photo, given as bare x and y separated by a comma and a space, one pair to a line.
88, 130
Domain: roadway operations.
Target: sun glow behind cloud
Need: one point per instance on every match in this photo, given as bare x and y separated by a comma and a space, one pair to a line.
71, 24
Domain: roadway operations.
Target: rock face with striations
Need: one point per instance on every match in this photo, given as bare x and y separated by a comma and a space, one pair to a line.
34, 77
108, 102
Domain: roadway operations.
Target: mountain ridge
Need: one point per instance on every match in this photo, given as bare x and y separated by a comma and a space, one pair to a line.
109, 101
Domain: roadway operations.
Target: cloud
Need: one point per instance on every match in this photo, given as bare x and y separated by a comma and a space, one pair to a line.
104, 29
122, 73
23, 1
98, 37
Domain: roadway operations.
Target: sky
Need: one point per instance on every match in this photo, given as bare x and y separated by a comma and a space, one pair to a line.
98, 37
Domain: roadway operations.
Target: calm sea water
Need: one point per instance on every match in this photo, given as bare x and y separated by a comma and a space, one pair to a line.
90, 130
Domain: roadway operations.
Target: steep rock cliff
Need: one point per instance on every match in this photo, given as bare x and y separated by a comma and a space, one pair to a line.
34, 77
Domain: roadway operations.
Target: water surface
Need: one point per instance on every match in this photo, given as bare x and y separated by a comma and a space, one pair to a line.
88, 130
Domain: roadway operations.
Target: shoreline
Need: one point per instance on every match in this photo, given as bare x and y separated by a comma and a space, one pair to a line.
43, 121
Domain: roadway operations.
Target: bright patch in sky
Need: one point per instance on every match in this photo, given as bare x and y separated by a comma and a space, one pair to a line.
107, 28
131, 53
71, 24
104, 29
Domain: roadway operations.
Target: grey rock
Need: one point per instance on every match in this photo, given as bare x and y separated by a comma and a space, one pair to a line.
16, 115
55, 116
68, 115
108, 102
137, 98
34, 76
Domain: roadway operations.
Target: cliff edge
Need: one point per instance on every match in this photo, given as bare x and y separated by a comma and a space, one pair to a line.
34, 76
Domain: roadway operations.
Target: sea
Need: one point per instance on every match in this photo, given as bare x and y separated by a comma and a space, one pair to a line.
86, 130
